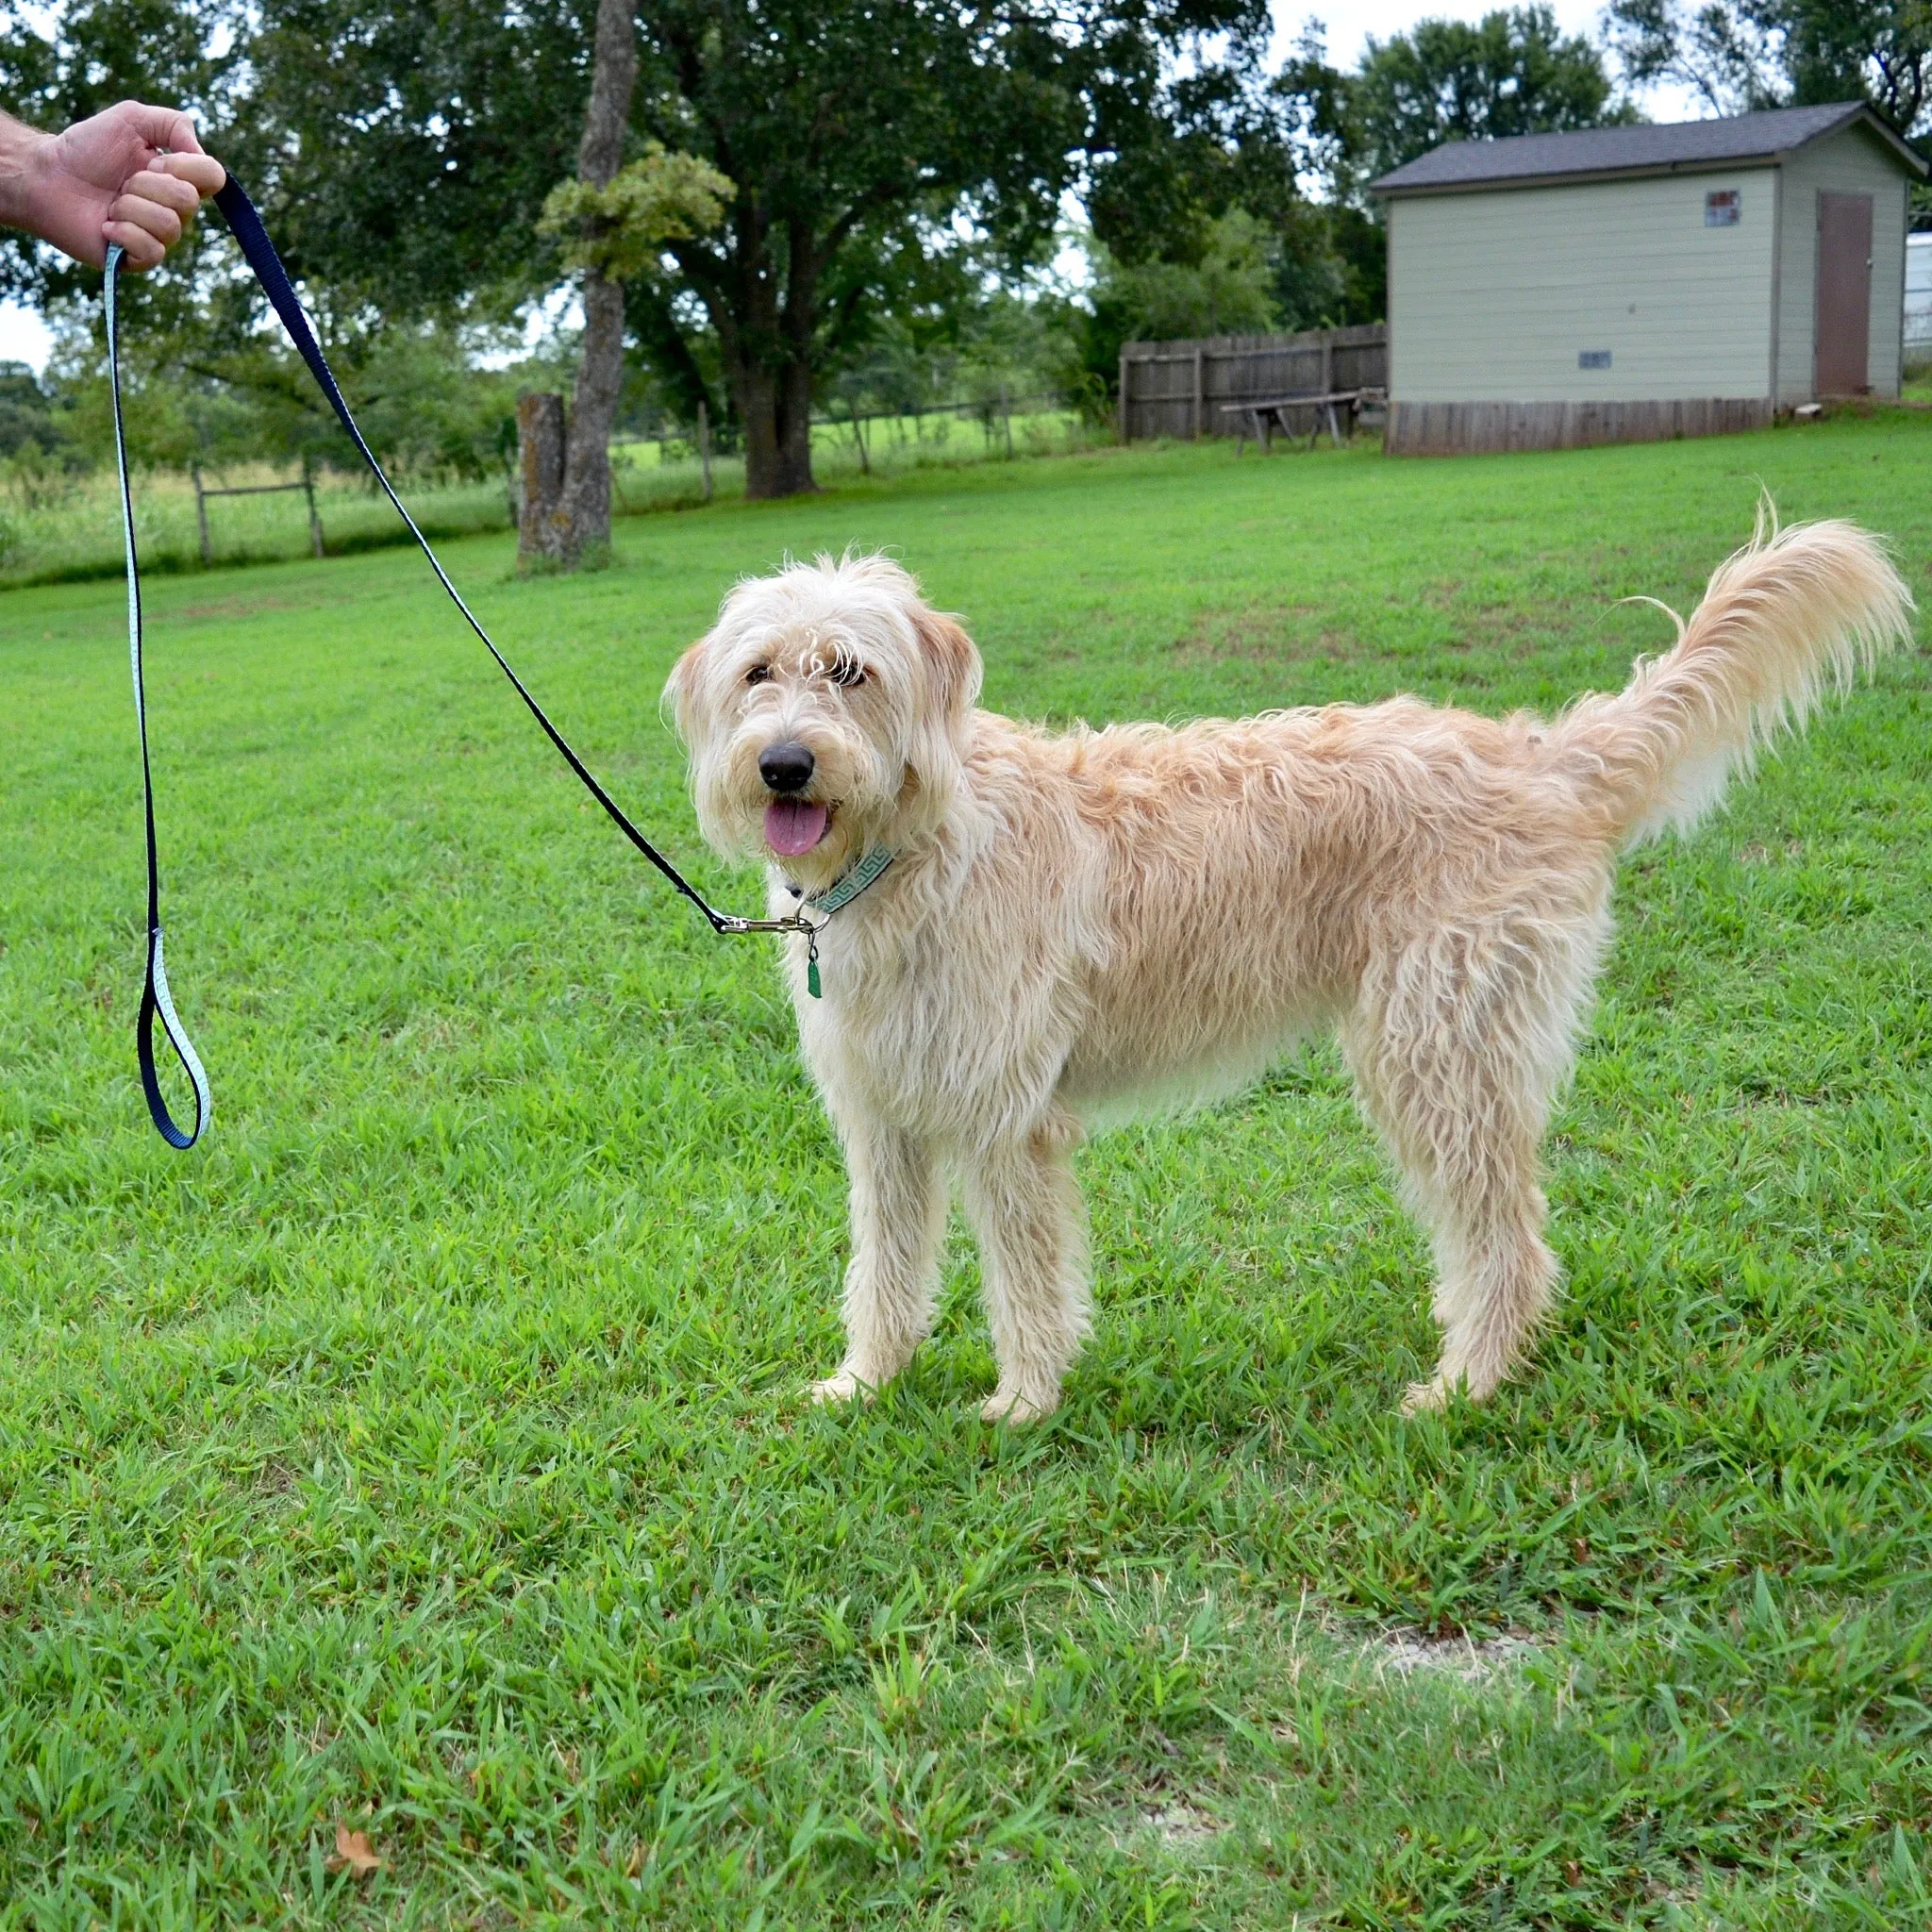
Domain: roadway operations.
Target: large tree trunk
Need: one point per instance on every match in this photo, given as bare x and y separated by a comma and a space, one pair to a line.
792, 470
586, 503
580, 528
768, 364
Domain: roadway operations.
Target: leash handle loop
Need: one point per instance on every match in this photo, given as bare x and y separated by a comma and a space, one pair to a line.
155, 1001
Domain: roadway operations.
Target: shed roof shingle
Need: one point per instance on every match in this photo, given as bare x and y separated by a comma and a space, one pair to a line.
1644, 149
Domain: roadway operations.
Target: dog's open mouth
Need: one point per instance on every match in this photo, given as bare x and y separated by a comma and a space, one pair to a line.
793, 826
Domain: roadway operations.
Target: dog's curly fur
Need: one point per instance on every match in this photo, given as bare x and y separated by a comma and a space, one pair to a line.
1085, 920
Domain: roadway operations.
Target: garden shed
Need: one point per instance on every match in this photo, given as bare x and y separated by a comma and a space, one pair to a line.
1625, 284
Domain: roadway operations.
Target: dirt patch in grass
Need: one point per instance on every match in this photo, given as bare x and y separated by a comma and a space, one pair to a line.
222, 607
1266, 634
1175, 1821
1408, 1652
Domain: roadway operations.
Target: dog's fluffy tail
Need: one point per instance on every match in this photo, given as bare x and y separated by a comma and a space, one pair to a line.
1794, 611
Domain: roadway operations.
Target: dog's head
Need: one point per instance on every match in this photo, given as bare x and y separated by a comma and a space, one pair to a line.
826, 711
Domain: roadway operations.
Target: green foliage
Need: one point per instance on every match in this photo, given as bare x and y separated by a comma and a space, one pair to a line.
423, 407
869, 163
28, 413
399, 152
1741, 55
1235, 286
1178, 156
428, 1452
1229, 290
984, 346
1513, 72
620, 230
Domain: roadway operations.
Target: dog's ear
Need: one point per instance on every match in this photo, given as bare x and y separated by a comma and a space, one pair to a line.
951, 667
951, 664
680, 688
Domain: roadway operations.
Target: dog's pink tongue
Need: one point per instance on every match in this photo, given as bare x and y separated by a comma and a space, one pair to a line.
793, 826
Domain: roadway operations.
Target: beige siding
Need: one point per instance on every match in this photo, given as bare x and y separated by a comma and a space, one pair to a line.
1848, 163
1492, 296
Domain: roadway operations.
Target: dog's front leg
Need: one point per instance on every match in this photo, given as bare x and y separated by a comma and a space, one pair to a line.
1025, 1207
898, 1211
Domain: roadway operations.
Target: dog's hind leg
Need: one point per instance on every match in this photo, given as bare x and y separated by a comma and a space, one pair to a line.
1025, 1208
1457, 1050
898, 1213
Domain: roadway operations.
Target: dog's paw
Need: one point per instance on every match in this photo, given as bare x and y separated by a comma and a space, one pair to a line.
1018, 1406
1424, 1397
843, 1387
1476, 1384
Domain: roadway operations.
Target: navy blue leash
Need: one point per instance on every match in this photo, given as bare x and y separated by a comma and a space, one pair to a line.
153, 992
261, 256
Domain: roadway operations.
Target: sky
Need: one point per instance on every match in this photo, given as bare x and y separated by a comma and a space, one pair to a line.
23, 336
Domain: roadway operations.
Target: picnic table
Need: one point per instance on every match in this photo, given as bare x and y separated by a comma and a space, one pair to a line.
1261, 416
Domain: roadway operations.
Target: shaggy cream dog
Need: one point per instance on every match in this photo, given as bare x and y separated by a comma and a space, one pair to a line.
1071, 922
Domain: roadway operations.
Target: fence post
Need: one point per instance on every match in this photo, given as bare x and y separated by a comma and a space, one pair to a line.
314, 520
201, 515
1328, 364
1200, 391
1127, 418
705, 445
1007, 417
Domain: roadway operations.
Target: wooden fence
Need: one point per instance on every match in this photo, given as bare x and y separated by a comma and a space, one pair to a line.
1178, 388
1442, 429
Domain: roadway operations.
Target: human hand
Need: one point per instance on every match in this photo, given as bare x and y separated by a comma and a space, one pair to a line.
134, 175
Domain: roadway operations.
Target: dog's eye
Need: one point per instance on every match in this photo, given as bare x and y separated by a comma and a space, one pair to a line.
848, 672
759, 674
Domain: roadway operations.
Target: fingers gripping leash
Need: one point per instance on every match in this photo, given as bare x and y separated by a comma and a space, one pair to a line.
260, 253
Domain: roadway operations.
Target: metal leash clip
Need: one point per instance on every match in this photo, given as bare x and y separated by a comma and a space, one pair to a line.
792, 922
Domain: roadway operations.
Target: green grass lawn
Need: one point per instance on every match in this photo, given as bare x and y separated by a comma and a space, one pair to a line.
426, 1453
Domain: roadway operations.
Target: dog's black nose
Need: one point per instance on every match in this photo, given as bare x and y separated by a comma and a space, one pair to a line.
785, 767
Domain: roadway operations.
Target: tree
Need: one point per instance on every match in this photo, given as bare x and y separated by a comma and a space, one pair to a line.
1741, 55
26, 412
402, 155
1250, 278
1510, 72
861, 140
853, 133
1200, 225
581, 519
614, 226
1228, 291
612, 220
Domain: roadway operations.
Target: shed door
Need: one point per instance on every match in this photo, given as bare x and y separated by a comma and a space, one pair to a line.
1844, 294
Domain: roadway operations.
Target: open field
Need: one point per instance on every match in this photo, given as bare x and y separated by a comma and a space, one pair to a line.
59, 529
426, 1452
